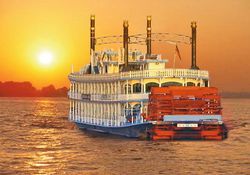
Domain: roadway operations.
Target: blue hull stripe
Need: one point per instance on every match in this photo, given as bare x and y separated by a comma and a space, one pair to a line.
135, 130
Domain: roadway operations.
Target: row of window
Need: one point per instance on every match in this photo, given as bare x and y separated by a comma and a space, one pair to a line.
137, 88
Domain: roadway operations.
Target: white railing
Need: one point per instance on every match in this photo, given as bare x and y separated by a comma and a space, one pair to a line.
109, 97
187, 73
181, 73
105, 121
94, 77
119, 97
73, 95
119, 121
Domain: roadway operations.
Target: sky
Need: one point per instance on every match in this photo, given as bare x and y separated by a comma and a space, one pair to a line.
30, 28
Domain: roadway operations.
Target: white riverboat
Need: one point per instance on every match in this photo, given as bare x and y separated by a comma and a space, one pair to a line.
111, 93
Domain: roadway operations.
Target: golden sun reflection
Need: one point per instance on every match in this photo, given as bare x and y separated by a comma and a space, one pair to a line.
47, 152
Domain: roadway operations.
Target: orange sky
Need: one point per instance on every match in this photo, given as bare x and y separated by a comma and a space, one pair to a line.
62, 26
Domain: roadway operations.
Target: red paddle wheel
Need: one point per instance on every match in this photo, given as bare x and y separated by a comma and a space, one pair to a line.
186, 113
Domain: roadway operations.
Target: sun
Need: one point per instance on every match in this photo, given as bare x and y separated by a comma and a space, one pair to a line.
45, 58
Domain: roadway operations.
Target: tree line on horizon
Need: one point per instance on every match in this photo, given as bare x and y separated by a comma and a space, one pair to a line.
26, 89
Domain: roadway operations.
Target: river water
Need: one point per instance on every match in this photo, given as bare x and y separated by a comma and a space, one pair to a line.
37, 138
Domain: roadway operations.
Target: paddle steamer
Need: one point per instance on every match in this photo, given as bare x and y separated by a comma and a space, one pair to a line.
111, 94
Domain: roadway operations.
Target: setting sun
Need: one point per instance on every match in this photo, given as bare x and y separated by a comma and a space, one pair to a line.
45, 58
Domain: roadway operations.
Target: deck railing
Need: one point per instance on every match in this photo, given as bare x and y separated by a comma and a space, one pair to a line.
180, 73
73, 95
119, 97
109, 97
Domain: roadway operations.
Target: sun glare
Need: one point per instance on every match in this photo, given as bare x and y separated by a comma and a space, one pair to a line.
45, 58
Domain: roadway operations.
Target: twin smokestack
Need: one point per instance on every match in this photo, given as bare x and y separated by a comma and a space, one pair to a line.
148, 40
193, 46
125, 42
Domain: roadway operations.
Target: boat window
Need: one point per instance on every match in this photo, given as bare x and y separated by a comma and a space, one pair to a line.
106, 68
190, 84
171, 83
136, 110
206, 83
127, 87
151, 84
127, 110
137, 88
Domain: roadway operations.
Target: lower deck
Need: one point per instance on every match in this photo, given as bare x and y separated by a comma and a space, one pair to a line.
107, 114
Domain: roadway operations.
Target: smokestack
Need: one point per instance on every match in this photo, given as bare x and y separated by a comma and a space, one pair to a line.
193, 27
148, 35
92, 33
125, 42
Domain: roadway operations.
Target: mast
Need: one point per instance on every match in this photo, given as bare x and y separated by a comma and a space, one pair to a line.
148, 36
193, 46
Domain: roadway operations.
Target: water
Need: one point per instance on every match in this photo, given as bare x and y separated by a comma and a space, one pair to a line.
36, 138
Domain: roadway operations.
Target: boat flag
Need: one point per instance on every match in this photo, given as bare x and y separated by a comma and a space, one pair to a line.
177, 51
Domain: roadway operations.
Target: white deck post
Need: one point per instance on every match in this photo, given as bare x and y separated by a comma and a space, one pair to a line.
141, 111
78, 110
112, 113
124, 112
73, 111
84, 112
106, 114
109, 112
81, 88
103, 92
85, 88
131, 110
119, 87
142, 86
87, 113
72, 90
109, 88
119, 113
127, 89
115, 115
94, 114
70, 109
115, 90
102, 113
74, 115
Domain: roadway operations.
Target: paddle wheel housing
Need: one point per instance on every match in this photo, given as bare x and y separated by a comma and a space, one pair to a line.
186, 113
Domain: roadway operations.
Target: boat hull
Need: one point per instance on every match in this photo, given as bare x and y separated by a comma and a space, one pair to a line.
171, 131
131, 131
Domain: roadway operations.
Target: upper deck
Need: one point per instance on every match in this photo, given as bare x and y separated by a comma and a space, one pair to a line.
128, 64
140, 74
